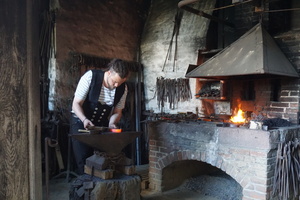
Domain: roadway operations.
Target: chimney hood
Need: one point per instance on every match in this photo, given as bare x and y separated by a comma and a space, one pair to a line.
254, 55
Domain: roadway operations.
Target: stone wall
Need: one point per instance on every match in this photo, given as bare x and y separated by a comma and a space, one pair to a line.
246, 155
155, 43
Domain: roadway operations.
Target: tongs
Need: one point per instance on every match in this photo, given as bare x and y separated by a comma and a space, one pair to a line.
97, 128
93, 129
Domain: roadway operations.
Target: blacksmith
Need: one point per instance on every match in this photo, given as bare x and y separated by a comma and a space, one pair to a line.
98, 101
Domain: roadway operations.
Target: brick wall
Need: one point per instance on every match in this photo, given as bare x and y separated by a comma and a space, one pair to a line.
286, 107
289, 44
248, 156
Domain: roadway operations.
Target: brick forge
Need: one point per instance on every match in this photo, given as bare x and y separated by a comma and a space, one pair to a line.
248, 156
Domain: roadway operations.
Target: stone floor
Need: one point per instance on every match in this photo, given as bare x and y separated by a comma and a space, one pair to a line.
59, 190
59, 187
176, 194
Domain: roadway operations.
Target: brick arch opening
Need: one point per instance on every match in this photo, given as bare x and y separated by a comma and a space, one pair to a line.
184, 170
247, 156
199, 177
185, 164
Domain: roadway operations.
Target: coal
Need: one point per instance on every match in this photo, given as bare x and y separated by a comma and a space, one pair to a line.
276, 122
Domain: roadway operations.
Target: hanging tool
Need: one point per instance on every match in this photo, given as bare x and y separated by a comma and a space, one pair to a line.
173, 91
175, 33
287, 170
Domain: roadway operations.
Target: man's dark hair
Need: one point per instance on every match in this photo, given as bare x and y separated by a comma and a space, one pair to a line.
119, 67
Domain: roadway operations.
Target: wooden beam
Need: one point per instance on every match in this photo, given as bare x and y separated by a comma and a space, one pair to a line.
208, 16
33, 101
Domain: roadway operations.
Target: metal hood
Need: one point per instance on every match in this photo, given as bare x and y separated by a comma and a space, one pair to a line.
254, 55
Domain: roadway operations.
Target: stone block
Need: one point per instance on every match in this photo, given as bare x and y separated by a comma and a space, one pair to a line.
244, 138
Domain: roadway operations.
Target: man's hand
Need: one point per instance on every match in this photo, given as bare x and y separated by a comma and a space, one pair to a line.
112, 126
87, 123
77, 108
115, 118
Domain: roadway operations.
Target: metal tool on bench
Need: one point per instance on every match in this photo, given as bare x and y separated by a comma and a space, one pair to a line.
99, 129
108, 156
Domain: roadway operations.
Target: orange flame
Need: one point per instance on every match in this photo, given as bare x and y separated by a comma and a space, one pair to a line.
239, 117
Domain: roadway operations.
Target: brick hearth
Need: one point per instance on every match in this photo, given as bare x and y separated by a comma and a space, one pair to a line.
248, 156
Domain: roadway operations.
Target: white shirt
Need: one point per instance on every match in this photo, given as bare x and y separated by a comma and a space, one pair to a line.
106, 95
